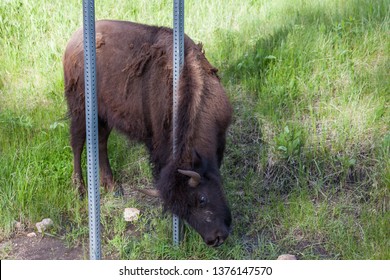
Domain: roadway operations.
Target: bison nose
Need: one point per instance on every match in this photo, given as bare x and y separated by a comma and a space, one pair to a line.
217, 239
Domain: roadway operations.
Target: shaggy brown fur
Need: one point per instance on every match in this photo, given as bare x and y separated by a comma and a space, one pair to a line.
134, 87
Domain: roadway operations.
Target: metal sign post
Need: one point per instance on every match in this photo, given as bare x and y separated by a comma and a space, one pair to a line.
178, 61
91, 128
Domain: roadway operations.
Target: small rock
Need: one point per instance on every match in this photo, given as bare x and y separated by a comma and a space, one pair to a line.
31, 234
287, 257
131, 214
18, 225
44, 225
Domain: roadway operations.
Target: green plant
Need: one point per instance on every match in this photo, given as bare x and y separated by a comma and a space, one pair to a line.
289, 143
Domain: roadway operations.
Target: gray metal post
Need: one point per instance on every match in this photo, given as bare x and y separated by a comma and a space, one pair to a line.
91, 128
178, 61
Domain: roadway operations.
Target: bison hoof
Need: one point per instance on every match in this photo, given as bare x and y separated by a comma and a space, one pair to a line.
82, 196
119, 192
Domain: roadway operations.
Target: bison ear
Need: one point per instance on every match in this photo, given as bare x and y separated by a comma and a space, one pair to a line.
194, 177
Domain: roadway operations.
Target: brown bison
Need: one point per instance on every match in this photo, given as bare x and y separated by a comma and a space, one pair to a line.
134, 91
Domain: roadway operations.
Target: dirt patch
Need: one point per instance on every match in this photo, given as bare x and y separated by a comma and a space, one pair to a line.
39, 248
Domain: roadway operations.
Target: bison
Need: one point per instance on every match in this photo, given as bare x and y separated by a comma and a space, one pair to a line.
134, 92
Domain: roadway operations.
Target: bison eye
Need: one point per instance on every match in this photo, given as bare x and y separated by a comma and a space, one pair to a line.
202, 201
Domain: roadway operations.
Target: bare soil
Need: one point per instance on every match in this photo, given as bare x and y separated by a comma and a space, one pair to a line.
39, 247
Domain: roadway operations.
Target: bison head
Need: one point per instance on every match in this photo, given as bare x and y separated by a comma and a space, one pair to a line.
195, 194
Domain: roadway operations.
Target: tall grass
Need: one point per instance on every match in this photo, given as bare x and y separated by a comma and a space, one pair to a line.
307, 167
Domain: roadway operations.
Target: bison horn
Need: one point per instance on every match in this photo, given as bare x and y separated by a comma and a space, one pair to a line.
194, 177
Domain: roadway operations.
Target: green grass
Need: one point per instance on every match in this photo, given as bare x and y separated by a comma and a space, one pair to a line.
307, 166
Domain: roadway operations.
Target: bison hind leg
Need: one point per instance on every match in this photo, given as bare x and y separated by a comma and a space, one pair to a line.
107, 179
77, 134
